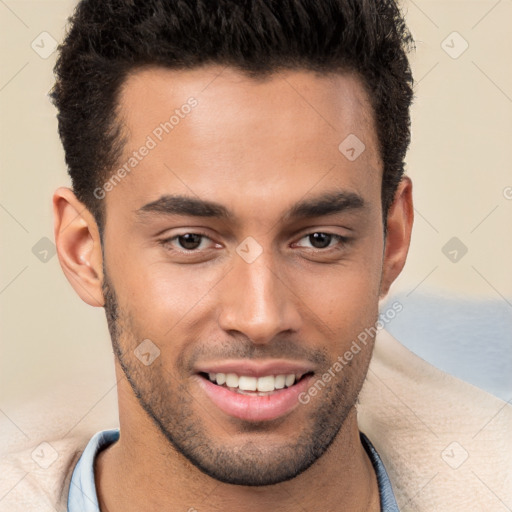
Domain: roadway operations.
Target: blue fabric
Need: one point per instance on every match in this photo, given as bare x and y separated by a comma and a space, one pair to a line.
387, 497
82, 495
467, 337
82, 490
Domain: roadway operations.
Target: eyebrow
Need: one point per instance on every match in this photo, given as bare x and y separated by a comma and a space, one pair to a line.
328, 203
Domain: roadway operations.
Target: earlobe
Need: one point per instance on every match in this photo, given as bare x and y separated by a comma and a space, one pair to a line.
399, 226
78, 246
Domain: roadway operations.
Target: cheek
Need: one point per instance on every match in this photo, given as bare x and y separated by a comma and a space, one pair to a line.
343, 294
162, 298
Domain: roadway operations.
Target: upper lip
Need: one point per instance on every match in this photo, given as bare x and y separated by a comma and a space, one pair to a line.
256, 369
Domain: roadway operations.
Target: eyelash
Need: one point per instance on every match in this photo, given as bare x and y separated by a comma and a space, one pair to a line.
166, 243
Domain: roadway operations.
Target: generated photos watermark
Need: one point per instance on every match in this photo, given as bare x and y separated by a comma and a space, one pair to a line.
344, 359
152, 141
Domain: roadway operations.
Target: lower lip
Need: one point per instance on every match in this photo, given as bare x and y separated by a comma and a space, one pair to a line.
255, 408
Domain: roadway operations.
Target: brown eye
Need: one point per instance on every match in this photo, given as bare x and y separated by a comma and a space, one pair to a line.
190, 241
185, 242
320, 240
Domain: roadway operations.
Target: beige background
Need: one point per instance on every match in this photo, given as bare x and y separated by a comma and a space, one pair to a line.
459, 160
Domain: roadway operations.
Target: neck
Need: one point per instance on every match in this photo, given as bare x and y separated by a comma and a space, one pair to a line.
142, 471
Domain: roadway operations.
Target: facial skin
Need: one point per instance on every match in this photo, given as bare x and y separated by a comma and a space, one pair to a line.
257, 148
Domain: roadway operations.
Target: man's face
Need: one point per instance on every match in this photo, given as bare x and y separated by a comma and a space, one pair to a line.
253, 288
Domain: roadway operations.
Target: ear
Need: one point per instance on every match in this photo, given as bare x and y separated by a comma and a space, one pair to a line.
78, 246
399, 226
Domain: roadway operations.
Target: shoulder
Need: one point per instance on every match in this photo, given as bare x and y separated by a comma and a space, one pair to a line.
446, 444
37, 477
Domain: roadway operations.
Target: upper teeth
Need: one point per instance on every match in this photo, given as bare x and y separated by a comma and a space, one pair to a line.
248, 383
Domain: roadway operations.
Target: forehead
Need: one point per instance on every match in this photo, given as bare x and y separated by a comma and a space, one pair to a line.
215, 131
325, 102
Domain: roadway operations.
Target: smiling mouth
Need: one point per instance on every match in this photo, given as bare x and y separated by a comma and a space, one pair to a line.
255, 386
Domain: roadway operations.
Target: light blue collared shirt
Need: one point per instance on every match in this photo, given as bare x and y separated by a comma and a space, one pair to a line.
82, 490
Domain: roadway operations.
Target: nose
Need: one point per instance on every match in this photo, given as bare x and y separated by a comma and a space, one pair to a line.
257, 301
